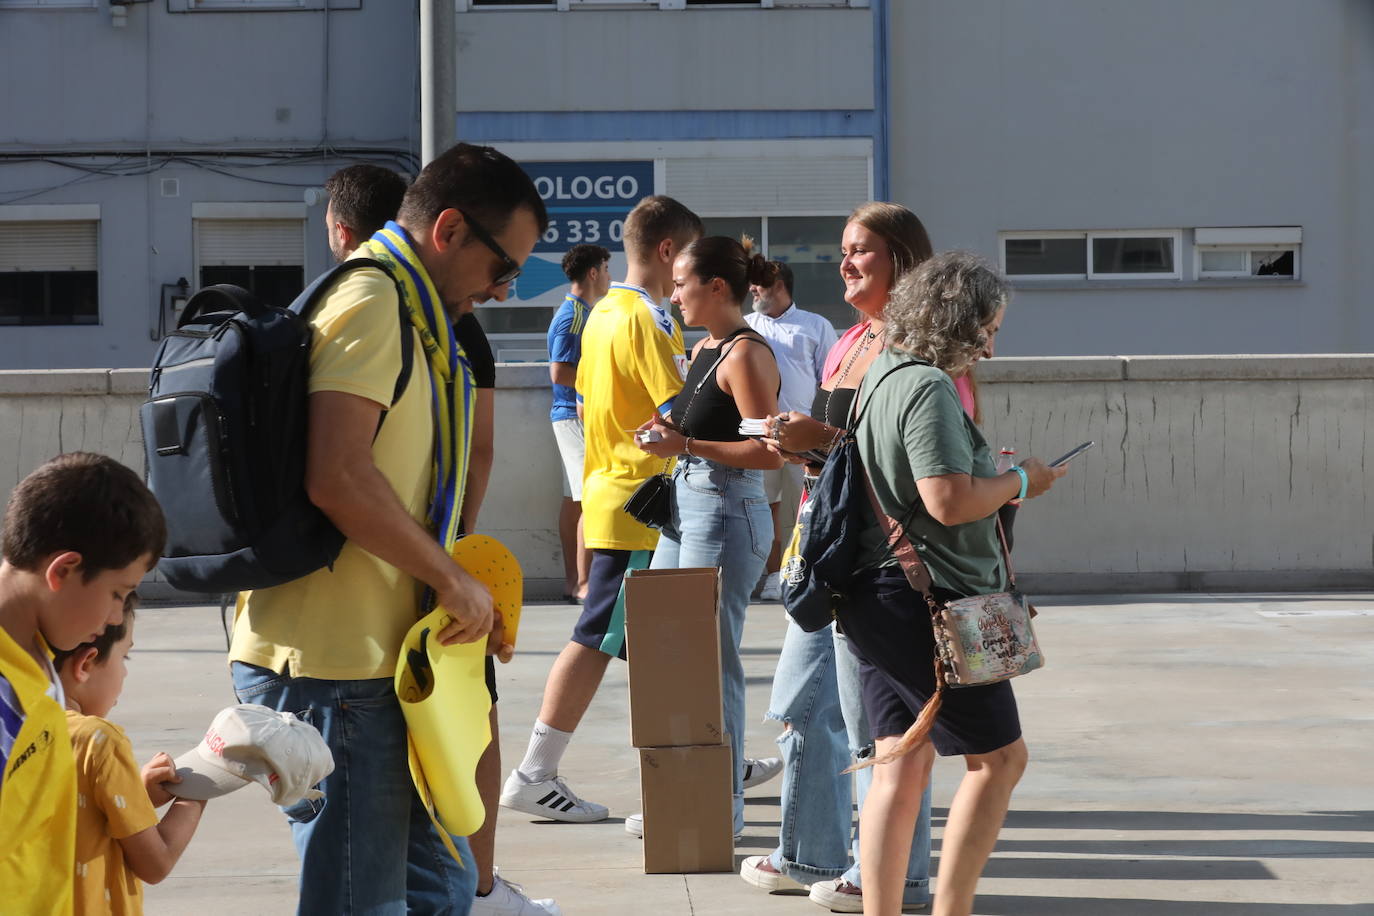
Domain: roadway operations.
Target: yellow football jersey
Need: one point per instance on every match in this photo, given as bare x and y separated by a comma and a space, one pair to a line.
632, 364
37, 790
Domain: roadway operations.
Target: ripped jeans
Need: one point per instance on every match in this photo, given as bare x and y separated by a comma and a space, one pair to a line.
816, 693
368, 846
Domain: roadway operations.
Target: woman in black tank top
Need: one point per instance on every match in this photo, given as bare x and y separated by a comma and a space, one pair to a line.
720, 513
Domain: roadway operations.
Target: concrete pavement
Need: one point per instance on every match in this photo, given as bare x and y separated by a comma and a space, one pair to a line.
1191, 755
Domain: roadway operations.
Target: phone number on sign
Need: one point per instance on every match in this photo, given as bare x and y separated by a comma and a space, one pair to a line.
564, 232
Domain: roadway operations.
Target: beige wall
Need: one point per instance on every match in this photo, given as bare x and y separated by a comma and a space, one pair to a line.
1225, 472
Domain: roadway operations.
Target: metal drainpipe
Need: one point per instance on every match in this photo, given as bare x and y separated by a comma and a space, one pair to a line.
437, 80
882, 185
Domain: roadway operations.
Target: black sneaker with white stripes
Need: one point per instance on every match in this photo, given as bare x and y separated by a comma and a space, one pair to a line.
550, 798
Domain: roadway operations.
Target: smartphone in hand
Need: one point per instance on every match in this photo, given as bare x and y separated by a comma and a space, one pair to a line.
1071, 455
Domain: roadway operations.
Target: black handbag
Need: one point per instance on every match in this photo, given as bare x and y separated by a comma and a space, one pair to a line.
651, 504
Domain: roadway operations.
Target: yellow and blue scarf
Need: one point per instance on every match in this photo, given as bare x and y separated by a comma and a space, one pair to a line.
450, 376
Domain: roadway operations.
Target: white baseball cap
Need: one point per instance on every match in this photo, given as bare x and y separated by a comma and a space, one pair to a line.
249, 743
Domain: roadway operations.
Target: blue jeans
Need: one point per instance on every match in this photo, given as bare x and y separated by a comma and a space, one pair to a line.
367, 847
721, 518
816, 693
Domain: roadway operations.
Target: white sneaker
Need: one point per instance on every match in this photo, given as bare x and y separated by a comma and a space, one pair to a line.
759, 871
551, 798
757, 772
508, 899
839, 896
772, 588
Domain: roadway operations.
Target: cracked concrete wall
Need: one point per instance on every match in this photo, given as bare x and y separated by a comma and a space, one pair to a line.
1209, 472
1229, 473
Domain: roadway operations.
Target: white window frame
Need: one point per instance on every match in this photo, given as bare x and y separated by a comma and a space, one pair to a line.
1175, 234
563, 6
1003, 237
256, 6
33, 213
214, 210
464, 6
660, 152
65, 213
48, 4
1246, 240
765, 240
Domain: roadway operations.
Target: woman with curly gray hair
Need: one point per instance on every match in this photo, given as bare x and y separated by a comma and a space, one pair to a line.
932, 471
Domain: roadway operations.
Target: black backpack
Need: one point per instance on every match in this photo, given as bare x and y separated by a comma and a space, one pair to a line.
224, 436
816, 579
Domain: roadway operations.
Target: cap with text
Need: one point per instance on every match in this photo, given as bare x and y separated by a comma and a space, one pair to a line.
249, 743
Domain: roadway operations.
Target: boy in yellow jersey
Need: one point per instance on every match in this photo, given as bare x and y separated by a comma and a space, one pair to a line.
632, 365
80, 532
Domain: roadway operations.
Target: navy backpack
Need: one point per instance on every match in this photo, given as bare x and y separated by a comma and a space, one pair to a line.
224, 436
816, 578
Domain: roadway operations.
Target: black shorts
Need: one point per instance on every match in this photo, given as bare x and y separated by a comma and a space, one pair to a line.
602, 624
888, 625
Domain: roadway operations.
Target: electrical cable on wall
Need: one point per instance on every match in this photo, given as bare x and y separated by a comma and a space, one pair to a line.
134, 164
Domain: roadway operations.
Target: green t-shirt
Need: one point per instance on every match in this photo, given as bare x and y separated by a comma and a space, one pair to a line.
913, 427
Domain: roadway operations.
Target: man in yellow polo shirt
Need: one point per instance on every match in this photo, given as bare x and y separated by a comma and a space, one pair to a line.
632, 364
327, 644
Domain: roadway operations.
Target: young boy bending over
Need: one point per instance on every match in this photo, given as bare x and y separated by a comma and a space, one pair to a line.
119, 840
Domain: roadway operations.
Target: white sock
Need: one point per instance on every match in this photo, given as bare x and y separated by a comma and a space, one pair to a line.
545, 752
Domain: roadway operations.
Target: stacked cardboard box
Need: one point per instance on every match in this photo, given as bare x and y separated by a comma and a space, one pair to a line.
672, 632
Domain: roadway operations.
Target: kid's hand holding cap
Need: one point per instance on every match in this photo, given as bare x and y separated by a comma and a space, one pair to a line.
249, 743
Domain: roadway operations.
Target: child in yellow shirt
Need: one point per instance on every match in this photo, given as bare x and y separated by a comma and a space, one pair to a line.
119, 840
79, 533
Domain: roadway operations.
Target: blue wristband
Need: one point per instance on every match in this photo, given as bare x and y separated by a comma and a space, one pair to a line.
1025, 481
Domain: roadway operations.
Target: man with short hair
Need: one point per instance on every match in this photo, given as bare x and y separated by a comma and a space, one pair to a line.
588, 268
800, 340
632, 365
362, 199
326, 645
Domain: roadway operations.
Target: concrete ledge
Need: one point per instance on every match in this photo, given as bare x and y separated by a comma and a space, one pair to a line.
510, 376
25, 382
1268, 580
1248, 367
1028, 285
1278, 581
129, 381
156, 591
1052, 369
1025, 369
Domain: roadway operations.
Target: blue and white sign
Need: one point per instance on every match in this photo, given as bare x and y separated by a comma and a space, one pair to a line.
587, 204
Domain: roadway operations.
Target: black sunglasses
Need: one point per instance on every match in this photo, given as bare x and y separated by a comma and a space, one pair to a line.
509, 269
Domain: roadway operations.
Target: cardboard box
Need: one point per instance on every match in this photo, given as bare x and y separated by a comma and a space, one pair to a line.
688, 821
672, 634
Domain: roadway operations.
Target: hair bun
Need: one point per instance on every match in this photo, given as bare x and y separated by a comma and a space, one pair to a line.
761, 271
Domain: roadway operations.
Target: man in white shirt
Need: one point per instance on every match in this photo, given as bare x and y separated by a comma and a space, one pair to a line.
800, 341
